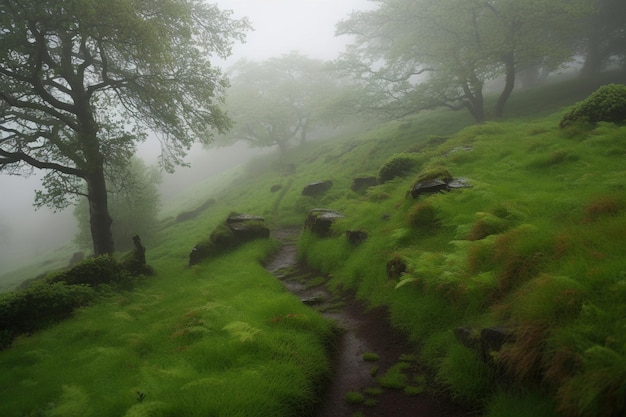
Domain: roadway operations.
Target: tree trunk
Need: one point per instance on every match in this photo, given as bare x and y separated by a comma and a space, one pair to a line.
593, 60
99, 217
509, 85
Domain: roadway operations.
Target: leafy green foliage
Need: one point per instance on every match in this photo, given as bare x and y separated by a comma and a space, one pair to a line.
607, 104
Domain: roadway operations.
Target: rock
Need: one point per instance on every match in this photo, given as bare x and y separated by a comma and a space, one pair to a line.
320, 220
234, 231
459, 183
396, 267
242, 218
356, 236
276, 187
428, 187
317, 189
488, 341
468, 337
492, 339
363, 182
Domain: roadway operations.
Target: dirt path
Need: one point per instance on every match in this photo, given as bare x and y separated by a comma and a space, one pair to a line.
364, 332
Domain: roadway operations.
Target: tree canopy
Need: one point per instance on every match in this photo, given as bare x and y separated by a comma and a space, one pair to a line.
278, 100
82, 81
415, 54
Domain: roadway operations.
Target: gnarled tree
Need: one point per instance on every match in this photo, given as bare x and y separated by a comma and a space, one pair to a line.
81, 82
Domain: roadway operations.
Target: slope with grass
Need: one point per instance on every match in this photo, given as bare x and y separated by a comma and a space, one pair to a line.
535, 247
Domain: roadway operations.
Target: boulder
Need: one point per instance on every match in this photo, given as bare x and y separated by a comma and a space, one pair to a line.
356, 236
320, 220
438, 185
275, 188
428, 187
317, 189
234, 231
363, 182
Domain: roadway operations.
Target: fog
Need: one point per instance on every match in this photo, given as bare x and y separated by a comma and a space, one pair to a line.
280, 26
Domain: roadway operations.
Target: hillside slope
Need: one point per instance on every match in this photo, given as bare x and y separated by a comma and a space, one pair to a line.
532, 253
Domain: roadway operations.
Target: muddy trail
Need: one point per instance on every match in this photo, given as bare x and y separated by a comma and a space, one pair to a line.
374, 372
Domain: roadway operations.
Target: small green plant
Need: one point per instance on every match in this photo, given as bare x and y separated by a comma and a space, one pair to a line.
395, 378
354, 397
370, 357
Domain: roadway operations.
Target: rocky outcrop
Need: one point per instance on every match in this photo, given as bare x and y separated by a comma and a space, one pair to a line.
437, 185
320, 220
234, 231
192, 214
363, 182
316, 189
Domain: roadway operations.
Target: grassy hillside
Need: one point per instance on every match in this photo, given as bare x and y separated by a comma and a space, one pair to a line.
535, 248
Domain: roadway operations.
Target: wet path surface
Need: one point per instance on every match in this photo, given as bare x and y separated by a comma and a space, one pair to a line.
363, 332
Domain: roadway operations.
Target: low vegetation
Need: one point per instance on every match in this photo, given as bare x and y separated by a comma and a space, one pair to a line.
533, 248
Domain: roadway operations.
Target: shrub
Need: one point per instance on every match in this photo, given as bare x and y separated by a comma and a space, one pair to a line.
607, 104
39, 306
94, 271
396, 166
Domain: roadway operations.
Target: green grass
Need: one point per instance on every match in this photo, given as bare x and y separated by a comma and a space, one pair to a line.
535, 245
211, 353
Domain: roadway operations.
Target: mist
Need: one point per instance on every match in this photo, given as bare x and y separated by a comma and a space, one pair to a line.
279, 27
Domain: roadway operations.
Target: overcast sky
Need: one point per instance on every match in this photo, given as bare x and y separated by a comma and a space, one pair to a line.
280, 26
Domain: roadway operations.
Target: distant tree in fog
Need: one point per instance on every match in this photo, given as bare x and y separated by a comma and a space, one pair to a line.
133, 203
411, 55
81, 82
278, 100
603, 40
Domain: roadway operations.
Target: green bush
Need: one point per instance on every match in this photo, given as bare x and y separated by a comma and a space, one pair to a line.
39, 306
606, 104
94, 271
396, 166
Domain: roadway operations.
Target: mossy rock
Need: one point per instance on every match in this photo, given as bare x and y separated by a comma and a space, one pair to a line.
234, 231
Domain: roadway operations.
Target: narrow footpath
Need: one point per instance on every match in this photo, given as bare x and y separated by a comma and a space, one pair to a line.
364, 331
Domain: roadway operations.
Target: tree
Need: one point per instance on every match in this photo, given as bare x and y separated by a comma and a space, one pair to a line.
133, 202
81, 82
416, 54
604, 37
278, 100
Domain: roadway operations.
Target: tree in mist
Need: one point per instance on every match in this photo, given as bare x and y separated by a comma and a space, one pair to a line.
604, 36
82, 81
133, 203
278, 100
411, 55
